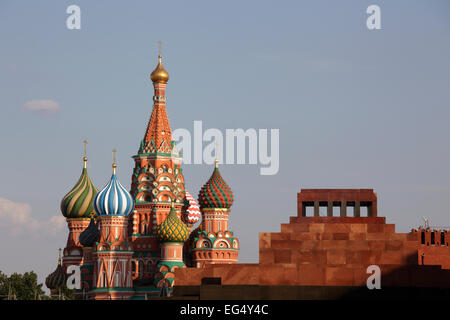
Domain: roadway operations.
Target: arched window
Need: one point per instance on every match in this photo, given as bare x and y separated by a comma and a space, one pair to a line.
133, 268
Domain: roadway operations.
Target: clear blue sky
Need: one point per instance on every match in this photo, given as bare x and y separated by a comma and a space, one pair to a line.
355, 108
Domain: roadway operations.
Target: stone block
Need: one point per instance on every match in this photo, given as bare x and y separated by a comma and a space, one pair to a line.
376, 236
337, 228
358, 228
265, 240
375, 228
357, 257
296, 244
317, 227
340, 236
274, 275
413, 236
377, 244
325, 236
282, 256
238, 274
269, 275
357, 245
411, 245
394, 245
389, 228
299, 227
398, 236
281, 244
192, 276
336, 257
308, 245
338, 276
304, 257
266, 256
374, 257
311, 275
303, 236
286, 227
280, 236
357, 236
334, 244
391, 257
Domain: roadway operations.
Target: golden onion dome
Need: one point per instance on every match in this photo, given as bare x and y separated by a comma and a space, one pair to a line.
160, 74
172, 229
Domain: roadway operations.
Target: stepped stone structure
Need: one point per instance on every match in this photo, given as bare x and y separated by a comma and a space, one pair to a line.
329, 251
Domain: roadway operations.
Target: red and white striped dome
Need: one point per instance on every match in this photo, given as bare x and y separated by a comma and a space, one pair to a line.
192, 213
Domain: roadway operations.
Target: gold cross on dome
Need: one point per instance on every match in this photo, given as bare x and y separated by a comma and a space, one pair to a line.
114, 161
85, 143
159, 46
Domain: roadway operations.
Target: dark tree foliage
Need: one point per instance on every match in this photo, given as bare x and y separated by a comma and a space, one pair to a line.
25, 287
21, 286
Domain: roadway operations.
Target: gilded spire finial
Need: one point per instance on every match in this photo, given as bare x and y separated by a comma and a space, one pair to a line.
85, 156
59, 257
159, 75
114, 161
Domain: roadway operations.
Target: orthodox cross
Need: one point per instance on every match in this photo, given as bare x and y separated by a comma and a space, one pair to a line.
85, 143
114, 161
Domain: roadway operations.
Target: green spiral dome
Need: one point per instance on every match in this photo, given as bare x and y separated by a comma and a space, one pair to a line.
78, 203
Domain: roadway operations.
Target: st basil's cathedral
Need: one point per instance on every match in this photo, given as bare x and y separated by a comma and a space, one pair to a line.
128, 244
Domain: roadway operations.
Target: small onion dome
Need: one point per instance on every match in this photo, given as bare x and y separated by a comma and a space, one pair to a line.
114, 199
90, 235
78, 202
160, 74
172, 229
57, 278
215, 193
192, 213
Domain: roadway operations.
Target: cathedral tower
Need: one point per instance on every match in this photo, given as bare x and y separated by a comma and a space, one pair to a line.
77, 207
156, 183
113, 252
213, 242
172, 234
